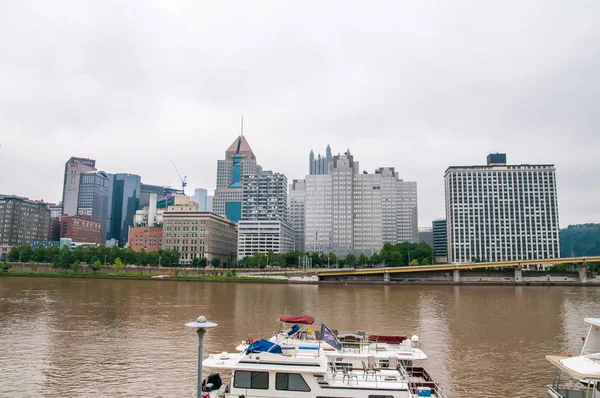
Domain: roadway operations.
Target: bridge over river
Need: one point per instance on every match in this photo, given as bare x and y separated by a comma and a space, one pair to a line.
421, 271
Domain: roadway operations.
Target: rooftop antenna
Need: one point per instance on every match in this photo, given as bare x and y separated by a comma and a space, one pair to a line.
242, 132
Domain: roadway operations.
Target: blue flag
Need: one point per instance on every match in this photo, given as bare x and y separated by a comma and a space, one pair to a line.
330, 338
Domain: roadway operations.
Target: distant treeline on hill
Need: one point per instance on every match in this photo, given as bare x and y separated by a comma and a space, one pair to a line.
580, 240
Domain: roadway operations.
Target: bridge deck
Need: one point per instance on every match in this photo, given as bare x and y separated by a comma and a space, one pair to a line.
450, 267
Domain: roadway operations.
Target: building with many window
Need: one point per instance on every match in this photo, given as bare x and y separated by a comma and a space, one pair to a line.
94, 198
81, 229
198, 234
264, 226
501, 212
296, 201
23, 220
232, 172
73, 170
124, 202
347, 211
147, 238
440, 240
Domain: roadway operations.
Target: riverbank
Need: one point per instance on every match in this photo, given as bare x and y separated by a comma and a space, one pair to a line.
259, 279
142, 276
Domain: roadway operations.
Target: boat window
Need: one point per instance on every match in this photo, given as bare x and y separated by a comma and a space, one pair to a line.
290, 382
256, 380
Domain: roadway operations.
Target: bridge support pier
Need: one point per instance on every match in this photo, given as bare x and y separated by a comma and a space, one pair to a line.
518, 275
386, 277
582, 273
456, 276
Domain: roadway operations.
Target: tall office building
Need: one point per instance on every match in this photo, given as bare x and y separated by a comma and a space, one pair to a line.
203, 199
501, 212
265, 196
296, 203
264, 226
124, 202
440, 240
232, 171
93, 200
319, 165
23, 220
351, 212
73, 170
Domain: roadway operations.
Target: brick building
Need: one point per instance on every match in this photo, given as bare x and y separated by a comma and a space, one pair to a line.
81, 229
147, 238
23, 220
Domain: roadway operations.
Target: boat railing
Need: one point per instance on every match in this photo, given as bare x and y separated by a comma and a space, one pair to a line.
373, 347
418, 377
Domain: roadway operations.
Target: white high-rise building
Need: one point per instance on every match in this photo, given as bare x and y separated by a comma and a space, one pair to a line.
351, 212
264, 226
501, 212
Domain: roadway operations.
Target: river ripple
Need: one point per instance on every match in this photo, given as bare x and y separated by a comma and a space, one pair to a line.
118, 338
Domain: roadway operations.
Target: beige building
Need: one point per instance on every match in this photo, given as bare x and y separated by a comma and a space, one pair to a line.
198, 234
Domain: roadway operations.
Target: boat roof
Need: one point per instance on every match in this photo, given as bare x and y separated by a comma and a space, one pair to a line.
593, 321
301, 319
580, 367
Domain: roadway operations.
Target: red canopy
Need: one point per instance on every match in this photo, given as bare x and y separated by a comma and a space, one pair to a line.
387, 339
301, 319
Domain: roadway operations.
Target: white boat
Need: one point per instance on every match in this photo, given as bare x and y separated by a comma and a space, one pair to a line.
578, 376
583, 374
591, 344
355, 347
265, 371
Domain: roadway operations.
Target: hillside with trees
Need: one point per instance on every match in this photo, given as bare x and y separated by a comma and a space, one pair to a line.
580, 240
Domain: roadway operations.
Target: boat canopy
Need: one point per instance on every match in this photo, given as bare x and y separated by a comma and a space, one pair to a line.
263, 345
301, 319
387, 339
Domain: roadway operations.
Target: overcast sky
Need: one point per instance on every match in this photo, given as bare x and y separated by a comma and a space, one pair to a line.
416, 85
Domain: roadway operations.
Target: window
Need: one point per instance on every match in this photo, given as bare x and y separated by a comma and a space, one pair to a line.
256, 380
290, 382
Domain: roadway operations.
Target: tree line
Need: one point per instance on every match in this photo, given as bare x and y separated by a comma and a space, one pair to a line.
401, 254
64, 257
398, 255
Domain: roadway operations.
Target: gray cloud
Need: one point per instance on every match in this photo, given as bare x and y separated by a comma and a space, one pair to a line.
418, 86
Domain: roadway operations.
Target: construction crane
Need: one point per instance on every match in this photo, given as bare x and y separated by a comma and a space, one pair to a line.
183, 179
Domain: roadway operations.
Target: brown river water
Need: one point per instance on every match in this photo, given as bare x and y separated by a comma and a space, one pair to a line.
124, 338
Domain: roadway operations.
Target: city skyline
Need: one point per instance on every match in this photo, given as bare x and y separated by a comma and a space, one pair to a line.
430, 93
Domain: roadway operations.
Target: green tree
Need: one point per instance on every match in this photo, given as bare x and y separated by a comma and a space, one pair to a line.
195, 262
203, 262
13, 254
215, 262
51, 253
26, 254
414, 262
375, 259
96, 265
118, 264
350, 260
32, 265
39, 254
6, 267
363, 259
75, 266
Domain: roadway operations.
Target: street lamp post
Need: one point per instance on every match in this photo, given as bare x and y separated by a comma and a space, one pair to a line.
201, 324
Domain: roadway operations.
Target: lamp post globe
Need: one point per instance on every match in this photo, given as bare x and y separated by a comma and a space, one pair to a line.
201, 324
